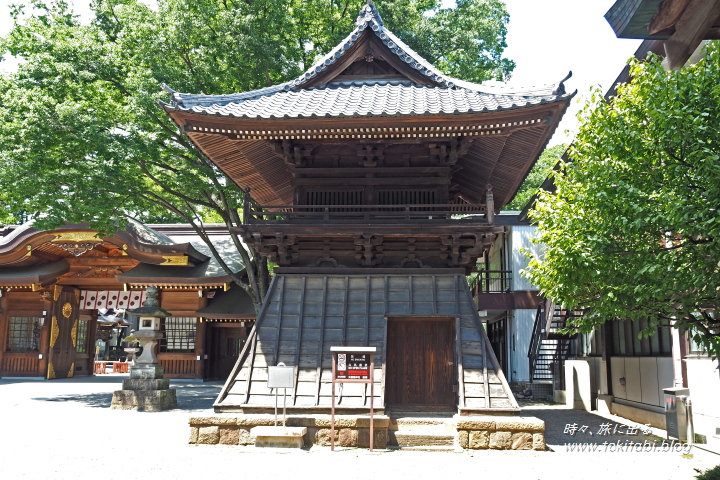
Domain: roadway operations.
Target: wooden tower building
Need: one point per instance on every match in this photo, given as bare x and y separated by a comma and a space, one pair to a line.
373, 181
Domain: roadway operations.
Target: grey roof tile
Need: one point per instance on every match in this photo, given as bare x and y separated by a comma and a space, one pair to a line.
379, 98
363, 100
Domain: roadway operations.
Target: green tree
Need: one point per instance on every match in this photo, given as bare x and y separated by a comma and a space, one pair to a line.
540, 171
632, 230
82, 138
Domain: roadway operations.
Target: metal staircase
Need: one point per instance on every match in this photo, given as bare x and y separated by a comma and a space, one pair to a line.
549, 348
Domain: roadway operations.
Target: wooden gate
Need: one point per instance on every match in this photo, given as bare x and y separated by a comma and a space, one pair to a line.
63, 333
225, 342
420, 370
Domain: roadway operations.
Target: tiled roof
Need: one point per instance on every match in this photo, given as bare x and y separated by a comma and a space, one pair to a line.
365, 100
379, 98
370, 18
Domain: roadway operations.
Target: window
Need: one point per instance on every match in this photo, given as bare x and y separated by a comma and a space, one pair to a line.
179, 335
588, 344
82, 331
24, 334
626, 341
234, 346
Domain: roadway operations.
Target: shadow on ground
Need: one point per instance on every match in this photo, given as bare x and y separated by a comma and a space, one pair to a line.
563, 426
190, 396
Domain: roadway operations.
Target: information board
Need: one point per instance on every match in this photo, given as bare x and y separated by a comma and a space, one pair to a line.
281, 376
353, 366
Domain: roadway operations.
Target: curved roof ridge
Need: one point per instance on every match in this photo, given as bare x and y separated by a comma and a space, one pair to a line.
492, 87
334, 101
370, 17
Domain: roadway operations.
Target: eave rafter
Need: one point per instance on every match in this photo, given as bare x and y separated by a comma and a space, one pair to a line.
427, 130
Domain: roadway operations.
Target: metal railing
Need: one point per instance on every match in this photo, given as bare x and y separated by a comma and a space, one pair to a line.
255, 213
490, 281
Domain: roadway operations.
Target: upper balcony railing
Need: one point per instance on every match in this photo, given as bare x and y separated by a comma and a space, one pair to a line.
255, 213
490, 281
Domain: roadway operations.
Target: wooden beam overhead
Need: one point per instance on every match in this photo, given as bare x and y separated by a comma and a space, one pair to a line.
668, 15
690, 30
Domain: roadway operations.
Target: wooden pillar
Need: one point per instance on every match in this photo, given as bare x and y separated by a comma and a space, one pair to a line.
3, 327
490, 204
200, 348
44, 343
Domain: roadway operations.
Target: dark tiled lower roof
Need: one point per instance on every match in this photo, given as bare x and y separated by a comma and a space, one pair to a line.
366, 100
33, 274
303, 316
205, 272
234, 303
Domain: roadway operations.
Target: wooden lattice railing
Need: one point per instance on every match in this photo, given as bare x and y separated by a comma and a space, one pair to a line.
16, 364
179, 365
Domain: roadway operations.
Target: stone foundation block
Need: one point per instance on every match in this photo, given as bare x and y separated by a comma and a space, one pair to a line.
380, 439
538, 441
229, 435
462, 438
258, 420
147, 370
216, 420
476, 424
193, 435
479, 439
139, 384
279, 437
348, 437
500, 440
144, 400
520, 424
322, 437
208, 435
521, 441
245, 437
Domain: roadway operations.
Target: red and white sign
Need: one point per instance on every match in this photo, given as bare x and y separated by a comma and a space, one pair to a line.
117, 300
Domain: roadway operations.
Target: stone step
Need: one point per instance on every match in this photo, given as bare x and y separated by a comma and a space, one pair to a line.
421, 438
430, 448
411, 423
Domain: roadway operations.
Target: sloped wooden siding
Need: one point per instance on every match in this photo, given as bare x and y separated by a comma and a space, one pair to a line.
304, 315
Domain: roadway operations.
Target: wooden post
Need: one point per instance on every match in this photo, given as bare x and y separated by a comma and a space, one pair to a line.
332, 409
200, 328
490, 204
3, 328
247, 215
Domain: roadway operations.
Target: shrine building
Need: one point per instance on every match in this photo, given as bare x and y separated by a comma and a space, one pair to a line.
374, 182
64, 293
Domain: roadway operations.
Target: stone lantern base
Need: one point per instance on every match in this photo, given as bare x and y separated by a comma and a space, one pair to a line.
145, 390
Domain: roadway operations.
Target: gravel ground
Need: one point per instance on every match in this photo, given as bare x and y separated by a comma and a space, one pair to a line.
64, 429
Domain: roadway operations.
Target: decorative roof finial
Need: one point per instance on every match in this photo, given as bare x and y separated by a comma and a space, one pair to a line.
367, 14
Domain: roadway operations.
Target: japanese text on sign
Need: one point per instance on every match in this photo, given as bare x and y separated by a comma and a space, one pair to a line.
353, 366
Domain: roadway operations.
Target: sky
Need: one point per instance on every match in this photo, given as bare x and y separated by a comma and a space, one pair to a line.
546, 39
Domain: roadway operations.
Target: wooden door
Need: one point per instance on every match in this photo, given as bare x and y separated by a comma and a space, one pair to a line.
63, 333
225, 342
496, 334
420, 369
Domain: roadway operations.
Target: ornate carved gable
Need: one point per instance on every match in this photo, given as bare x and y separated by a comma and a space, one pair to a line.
369, 59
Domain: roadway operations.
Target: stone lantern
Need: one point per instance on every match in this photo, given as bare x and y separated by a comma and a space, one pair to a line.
146, 389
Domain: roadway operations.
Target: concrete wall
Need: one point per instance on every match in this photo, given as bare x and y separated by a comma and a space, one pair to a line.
519, 239
584, 381
704, 385
520, 330
644, 378
521, 326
